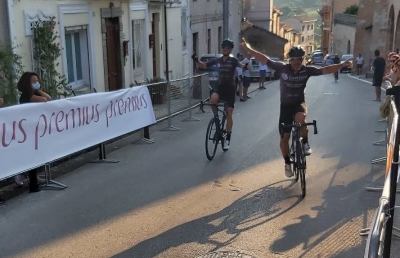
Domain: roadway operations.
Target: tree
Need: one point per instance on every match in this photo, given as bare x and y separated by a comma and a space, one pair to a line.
353, 10
46, 51
10, 71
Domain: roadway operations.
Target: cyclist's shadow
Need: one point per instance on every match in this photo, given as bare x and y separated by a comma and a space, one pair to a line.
313, 231
252, 210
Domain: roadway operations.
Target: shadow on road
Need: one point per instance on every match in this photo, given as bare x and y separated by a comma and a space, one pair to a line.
252, 210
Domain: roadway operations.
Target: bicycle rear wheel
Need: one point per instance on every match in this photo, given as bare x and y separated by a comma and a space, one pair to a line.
212, 139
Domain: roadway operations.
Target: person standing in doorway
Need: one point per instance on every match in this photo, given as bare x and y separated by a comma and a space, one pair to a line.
378, 67
246, 79
263, 70
359, 63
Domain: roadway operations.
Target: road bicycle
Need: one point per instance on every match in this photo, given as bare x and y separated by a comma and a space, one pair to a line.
297, 153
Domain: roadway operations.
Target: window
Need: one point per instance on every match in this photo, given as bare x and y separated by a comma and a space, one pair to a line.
219, 38
209, 41
308, 27
303, 27
312, 26
302, 38
137, 43
184, 28
76, 47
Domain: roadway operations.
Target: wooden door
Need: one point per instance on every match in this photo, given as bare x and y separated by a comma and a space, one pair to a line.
113, 54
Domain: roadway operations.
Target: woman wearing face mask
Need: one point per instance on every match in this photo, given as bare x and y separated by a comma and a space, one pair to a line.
29, 86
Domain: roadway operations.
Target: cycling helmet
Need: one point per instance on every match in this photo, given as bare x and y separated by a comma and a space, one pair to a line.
296, 52
227, 43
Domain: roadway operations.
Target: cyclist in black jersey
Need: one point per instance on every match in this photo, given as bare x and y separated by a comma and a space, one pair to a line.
226, 87
293, 80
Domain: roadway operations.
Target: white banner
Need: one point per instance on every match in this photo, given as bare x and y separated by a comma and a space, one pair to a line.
36, 133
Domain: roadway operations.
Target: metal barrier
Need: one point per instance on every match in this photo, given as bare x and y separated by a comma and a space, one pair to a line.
380, 235
176, 97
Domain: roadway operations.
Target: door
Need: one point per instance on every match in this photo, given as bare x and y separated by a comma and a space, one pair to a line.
113, 54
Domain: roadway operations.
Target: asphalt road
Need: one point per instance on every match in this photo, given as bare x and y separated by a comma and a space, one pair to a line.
167, 200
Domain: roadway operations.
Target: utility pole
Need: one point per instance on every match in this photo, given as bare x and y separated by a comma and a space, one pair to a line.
225, 14
166, 42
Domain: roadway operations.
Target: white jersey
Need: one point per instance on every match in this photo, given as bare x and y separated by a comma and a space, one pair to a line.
264, 67
239, 71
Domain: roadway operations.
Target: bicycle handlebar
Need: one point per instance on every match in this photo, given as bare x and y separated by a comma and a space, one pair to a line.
202, 104
314, 124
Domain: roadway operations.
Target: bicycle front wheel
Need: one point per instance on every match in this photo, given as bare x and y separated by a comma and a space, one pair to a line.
302, 175
211, 139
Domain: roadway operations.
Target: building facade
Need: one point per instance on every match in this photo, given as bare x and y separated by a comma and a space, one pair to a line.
344, 32
259, 12
327, 12
291, 30
106, 45
378, 27
207, 25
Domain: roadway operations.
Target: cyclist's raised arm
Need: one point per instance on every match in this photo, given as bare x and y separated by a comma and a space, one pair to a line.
335, 67
263, 58
203, 65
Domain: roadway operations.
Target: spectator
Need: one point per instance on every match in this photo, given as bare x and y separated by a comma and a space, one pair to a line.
246, 79
379, 69
336, 60
393, 75
263, 70
29, 86
238, 81
359, 63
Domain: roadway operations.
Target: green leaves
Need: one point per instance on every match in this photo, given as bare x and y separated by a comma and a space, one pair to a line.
10, 70
46, 52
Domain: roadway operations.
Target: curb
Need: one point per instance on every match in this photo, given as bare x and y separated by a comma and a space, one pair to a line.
365, 81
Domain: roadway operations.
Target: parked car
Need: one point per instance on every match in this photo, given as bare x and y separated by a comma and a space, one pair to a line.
349, 68
213, 73
254, 67
317, 58
329, 59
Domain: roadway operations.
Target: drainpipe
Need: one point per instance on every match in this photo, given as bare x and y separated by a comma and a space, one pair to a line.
225, 20
10, 21
166, 42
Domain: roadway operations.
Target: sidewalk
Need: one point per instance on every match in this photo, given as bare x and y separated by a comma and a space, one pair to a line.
395, 247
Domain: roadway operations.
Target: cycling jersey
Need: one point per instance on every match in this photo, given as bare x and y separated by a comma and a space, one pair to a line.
293, 84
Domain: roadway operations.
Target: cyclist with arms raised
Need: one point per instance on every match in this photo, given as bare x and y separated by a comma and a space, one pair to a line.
226, 89
293, 80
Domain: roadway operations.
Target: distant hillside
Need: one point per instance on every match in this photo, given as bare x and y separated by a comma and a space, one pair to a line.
298, 7
298, 3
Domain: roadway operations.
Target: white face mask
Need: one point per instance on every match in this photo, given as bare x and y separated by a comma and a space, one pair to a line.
36, 86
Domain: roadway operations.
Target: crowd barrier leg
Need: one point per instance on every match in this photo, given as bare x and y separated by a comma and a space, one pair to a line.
49, 183
190, 118
378, 160
170, 127
102, 155
146, 136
